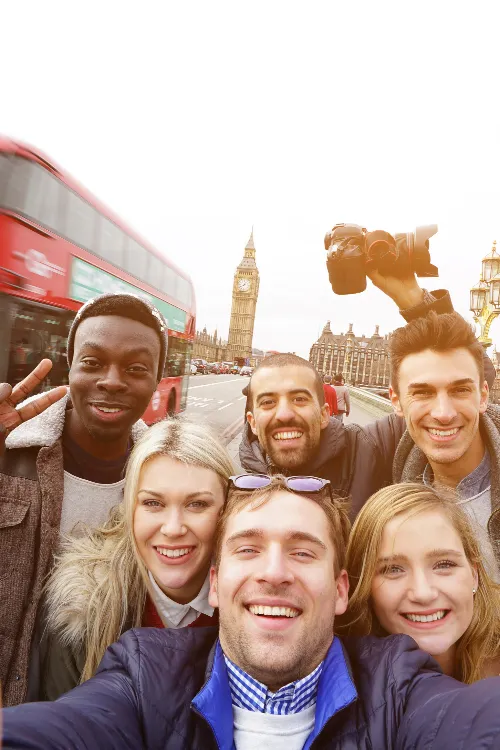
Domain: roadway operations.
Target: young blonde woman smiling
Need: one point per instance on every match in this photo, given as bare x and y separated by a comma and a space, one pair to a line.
415, 567
148, 566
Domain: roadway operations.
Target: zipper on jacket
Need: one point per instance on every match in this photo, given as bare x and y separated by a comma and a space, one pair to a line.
203, 718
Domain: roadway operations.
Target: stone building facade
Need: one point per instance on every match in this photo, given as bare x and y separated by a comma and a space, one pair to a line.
360, 359
209, 346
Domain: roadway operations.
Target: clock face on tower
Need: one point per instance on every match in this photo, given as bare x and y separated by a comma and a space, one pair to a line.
244, 285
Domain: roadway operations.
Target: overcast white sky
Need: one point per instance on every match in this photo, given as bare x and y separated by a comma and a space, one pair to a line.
194, 121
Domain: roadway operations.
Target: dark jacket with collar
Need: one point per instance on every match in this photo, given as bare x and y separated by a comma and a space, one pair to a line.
357, 460
168, 690
31, 498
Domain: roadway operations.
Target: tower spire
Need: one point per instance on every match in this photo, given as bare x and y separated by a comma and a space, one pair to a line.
250, 245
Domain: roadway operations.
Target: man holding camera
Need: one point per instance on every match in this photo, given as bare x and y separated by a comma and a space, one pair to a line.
289, 429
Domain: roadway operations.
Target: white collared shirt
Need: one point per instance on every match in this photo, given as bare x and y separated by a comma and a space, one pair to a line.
175, 615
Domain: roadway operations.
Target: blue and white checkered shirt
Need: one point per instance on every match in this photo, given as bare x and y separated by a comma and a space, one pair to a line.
254, 696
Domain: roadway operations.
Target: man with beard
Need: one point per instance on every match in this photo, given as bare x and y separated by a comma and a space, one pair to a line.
277, 677
64, 456
289, 429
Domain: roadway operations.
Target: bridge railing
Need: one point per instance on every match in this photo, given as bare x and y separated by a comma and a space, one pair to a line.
376, 405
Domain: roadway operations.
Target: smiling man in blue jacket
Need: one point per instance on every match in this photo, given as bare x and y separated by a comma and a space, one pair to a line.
276, 677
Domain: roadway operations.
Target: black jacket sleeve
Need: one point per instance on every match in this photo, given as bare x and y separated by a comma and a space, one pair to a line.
440, 303
442, 714
386, 434
105, 707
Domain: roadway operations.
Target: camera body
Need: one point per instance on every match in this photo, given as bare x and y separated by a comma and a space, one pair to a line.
352, 251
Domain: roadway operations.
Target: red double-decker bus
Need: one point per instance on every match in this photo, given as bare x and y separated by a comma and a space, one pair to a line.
60, 247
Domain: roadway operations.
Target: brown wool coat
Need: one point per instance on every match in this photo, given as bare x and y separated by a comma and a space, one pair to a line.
31, 497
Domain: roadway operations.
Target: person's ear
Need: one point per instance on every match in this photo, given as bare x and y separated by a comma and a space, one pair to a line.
213, 598
325, 416
342, 593
476, 576
251, 422
396, 403
485, 394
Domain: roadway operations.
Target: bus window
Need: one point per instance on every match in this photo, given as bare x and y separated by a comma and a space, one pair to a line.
176, 357
5, 166
18, 196
31, 190
136, 260
50, 210
80, 221
38, 332
169, 281
183, 291
110, 242
155, 270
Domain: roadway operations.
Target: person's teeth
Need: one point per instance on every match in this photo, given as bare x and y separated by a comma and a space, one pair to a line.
261, 609
173, 552
443, 433
106, 409
287, 435
426, 618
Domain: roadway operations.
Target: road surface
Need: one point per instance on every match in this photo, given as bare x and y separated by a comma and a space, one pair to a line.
217, 399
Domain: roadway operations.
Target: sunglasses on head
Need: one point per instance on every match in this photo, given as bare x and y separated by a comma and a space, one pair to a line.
306, 485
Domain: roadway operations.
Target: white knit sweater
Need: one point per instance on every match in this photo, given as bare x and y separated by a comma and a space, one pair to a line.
253, 729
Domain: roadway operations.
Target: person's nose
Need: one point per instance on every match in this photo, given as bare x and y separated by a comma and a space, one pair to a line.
173, 524
112, 380
284, 411
443, 408
275, 568
422, 591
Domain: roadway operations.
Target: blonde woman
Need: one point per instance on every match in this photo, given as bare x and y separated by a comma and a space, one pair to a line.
415, 567
149, 564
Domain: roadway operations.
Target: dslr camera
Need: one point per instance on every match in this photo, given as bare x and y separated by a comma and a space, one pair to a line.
352, 252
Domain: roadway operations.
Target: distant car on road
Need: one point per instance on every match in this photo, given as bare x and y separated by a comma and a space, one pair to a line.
246, 370
214, 368
224, 369
234, 370
194, 369
201, 365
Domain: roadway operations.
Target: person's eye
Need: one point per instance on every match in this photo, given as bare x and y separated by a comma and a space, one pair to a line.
462, 390
304, 554
266, 404
445, 565
391, 570
300, 399
151, 503
90, 362
198, 505
246, 551
137, 369
422, 393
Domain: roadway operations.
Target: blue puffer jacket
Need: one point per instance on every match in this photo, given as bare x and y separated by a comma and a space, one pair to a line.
168, 690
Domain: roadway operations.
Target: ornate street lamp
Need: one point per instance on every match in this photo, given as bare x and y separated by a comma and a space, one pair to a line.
478, 296
485, 296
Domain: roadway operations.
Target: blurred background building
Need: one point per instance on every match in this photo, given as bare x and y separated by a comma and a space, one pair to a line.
361, 360
209, 346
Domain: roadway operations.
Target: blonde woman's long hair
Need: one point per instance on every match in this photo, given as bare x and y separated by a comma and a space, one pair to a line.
481, 640
112, 578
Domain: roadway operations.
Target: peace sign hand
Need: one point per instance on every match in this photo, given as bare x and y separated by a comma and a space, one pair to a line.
10, 417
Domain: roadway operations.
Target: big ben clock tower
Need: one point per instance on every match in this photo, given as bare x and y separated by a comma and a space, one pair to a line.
245, 293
